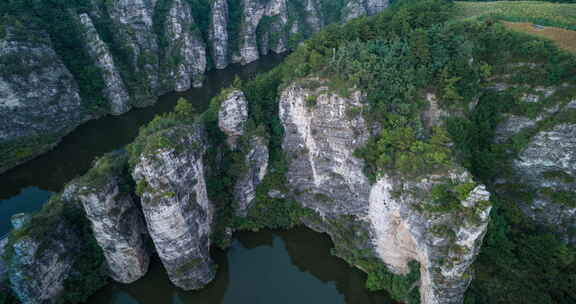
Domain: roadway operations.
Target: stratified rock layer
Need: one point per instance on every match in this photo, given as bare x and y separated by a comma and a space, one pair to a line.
232, 115
116, 220
179, 216
256, 164
134, 51
43, 254
325, 176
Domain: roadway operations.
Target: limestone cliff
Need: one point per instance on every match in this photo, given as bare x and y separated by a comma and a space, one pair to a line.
133, 51
394, 219
218, 33
233, 115
256, 168
543, 156
179, 216
232, 121
43, 251
185, 47
133, 25
117, 222
357, 8
115, 90
39, 99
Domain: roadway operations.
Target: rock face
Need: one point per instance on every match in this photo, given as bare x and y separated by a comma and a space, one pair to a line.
38, 95
133, 22
232, 120
171, 183
253, 12
218, 33
115, 90
256, 163
357, 8
548, 163
184, 42
140, 49
43, 259
117, 222
394, 214
233, 115
545, 166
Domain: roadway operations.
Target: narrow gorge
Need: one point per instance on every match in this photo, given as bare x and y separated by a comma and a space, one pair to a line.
434, 150
64, 64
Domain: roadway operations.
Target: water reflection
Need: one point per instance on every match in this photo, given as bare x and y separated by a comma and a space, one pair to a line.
29, 199
280, 267
27, 187
73, 156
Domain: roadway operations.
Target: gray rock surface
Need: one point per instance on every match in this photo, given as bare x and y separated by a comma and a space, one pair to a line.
184, 42
232, 115
325, 176
115, 91
357, 8
545, 166
551, 151
218, 33
256, 163
43, 259
38, 95
253, 12
117, 223
133, 24
141, 49
175, 204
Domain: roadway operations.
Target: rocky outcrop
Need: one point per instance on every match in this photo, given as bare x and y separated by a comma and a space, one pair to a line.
548, 165
39, 97
43, 256
140, 49
232, 120
395, 217
218, 33
256, 168
357, 8
543, 164
233, 115
116, 220
445, 243
253, 13
185, 47
132, 21
171, 184
115, 90
313, 16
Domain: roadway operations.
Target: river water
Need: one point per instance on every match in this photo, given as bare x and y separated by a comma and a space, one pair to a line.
280, 267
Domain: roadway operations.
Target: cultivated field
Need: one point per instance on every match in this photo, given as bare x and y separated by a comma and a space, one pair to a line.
544, 13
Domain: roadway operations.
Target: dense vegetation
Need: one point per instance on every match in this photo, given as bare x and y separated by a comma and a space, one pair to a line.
520, 262
414, 49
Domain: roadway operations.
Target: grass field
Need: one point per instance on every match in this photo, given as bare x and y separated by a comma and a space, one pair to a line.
565, 39
544, 13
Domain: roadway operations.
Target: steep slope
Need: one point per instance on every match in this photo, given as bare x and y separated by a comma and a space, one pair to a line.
400, 139
110, 56
395, 218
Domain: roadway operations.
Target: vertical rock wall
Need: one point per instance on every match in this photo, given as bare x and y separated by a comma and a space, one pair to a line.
115, 90
321, 134
171, 183
116, 220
